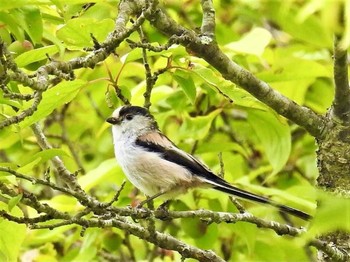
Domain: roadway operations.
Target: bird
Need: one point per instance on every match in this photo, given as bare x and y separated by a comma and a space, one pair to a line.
157, 167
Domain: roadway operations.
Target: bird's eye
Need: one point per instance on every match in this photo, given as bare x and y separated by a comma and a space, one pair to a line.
129, 117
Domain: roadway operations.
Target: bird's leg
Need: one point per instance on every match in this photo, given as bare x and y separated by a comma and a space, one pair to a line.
149, 198
165, 205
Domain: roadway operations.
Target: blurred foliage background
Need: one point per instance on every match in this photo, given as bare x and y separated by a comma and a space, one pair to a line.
288, 44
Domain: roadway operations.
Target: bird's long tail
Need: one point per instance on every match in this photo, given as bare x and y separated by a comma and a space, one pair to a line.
223, 186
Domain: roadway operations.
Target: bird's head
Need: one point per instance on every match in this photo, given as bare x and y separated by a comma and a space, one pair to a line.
132, 120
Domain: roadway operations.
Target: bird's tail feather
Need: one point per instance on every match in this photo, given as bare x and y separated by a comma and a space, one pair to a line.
225, 187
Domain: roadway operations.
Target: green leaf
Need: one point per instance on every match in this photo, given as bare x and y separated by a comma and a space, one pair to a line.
330, 208
88, 248
274, 135
200, 231
111, 241
76, 33
310, 29
35, 55
197, 127
317, 102
184, 79
45, 155
237, 95
292, 69
99, 174
209, 147
41, 237
12, 235
6, 4
136, 53
63, 203
12, 24
41, 157
53, 98
29, 18
253, 42
14, 201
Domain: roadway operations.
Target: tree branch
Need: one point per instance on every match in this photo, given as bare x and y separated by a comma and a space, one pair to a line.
211, 53
332, 251
341, 103
208, 21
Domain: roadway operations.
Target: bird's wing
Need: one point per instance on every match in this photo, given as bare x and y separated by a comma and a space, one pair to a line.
159, 143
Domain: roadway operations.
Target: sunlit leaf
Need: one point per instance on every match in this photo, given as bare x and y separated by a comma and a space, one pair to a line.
253, 42
39, 158
197, 127
14, 201
274, 135
53, 98
29, 17
99, 174
12, 235
35, 55
76, 33
237, 95
63, 203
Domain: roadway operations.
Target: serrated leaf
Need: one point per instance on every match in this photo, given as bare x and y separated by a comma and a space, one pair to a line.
76, 33
53, 98
184, 79
274, 135
35, 55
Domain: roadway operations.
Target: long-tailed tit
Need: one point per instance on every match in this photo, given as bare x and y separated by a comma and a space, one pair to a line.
157, 167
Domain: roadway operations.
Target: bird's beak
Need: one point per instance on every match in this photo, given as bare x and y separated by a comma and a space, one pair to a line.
113, 120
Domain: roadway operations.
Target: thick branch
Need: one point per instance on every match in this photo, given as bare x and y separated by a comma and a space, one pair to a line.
341, 103
210, 52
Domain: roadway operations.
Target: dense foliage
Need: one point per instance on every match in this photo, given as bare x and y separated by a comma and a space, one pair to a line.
287, 44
